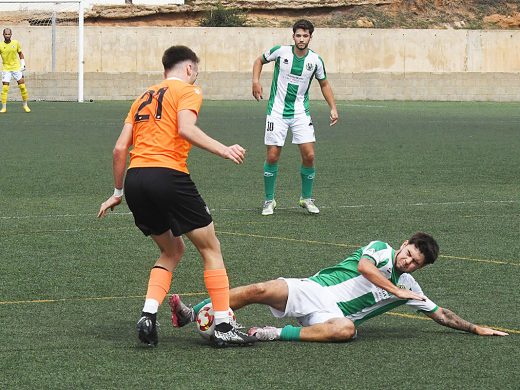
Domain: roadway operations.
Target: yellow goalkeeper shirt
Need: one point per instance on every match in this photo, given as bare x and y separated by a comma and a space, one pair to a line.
9, 53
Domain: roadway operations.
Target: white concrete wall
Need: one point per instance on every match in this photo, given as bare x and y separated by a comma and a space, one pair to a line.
363, 63
139, 49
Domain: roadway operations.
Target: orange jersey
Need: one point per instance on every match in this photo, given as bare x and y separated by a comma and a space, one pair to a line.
155, 139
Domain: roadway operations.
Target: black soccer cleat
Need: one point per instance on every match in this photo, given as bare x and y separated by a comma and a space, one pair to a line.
225, 335
147, 329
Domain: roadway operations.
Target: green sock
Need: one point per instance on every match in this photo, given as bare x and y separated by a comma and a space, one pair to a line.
307, 174
200, 305
290, 333
270, 173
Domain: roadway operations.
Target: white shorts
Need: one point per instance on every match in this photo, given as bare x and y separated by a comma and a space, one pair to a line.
276, 130
309, 303
7, 75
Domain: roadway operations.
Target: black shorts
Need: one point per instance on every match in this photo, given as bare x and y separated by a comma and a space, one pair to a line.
163, 199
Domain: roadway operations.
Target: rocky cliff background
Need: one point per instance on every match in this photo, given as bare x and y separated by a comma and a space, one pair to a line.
434, 14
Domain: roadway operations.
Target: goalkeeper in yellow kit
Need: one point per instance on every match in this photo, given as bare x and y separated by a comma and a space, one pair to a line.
13, 64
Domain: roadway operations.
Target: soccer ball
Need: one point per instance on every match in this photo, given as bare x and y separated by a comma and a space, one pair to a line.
205, 320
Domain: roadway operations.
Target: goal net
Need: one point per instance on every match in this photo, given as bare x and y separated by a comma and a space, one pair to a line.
51, 37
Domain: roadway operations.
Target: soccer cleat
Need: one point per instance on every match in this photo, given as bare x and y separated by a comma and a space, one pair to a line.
267, 333
225, 335
181, 314
147, 329
309, 205
3, 110
269, 206
26, 108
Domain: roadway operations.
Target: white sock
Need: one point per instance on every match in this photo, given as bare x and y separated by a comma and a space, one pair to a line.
221, 316
151, 306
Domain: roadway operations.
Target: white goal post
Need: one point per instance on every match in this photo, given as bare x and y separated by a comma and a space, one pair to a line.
49, 12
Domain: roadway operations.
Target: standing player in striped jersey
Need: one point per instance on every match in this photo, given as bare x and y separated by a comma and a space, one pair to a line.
332, 303
288, 108
160, 129
13, 65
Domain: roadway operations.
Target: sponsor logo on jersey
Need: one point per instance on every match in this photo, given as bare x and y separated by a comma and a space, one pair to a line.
309, 66
370, 251
285, 61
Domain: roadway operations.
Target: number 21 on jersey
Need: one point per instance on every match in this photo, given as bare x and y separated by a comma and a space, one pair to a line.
147, 99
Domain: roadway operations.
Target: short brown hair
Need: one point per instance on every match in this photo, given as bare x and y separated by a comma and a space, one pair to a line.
303, 24
177, 54
426, 245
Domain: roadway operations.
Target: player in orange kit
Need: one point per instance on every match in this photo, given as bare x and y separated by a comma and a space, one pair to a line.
161, 128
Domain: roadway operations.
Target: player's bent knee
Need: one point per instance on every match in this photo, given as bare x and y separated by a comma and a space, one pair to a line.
308, 160
341, 332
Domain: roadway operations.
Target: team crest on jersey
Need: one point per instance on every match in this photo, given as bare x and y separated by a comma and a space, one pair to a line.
309, 66
197, 91
285, 61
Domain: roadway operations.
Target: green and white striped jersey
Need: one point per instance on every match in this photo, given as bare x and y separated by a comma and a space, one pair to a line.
356, 296
291, 80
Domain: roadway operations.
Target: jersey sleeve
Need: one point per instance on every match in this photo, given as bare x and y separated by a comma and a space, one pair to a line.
190, 99
407, 281
375, 252
321, 73
18, 47
131, 114
271, 54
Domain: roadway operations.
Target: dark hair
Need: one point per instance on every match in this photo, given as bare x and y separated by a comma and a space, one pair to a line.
427, 245
304, 25
177, 54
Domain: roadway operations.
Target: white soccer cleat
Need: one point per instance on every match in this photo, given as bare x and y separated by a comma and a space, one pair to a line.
269, 206
228, 336
267, 333
309, 205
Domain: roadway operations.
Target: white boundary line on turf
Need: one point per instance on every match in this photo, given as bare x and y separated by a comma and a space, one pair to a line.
470, 202
359, 105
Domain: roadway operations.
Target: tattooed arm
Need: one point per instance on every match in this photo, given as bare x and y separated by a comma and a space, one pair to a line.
448, 318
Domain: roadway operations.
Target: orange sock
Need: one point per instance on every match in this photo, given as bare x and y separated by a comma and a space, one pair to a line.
158, 284
217, 284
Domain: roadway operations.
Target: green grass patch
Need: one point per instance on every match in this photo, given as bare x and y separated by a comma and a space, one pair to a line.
72, 287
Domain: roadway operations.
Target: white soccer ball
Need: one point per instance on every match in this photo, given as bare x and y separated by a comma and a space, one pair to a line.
205, 320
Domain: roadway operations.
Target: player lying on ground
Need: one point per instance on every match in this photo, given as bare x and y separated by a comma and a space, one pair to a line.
332, 303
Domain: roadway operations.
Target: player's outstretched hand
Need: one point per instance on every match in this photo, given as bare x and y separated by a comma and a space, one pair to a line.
407, 294
333, 117
483, 331
235, 153
110, 203
257, 91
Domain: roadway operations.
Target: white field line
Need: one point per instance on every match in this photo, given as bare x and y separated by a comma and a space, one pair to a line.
470, 202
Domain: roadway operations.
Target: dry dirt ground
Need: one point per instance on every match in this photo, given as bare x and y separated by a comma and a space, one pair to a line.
471, 14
